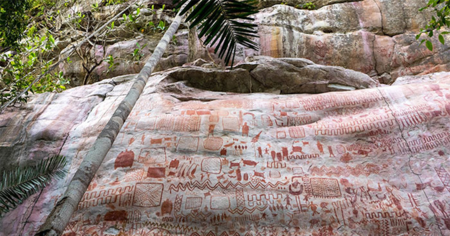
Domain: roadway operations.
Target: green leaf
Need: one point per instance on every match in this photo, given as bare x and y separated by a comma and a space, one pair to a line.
441, 39
220, 22
22, 182
52, 40
422, 41
429, 45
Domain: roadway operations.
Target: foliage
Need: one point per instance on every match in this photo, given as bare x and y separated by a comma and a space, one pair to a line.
20, 183
112, 65
131, 18
78, 19
153, 10
174, 40
95, 7
161, 26
137, 55
223, 23
68, 3
18, 73
442, 20
13, 22
308, 6
45, 3
112, 26
113, 2
30, 58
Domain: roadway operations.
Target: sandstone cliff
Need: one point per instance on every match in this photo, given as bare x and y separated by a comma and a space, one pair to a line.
375, 37
197, 162
209, 151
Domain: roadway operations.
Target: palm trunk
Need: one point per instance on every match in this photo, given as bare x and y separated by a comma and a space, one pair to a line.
59, 217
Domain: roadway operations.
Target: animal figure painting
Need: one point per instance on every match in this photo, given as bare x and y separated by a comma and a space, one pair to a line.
356, 163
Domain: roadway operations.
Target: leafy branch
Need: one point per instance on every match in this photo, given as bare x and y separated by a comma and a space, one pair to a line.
224, 23
442, 20
19, 184
26, 87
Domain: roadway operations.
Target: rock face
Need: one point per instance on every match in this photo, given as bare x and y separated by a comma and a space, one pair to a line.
265, 74
195, 162
375, 37
125, 63
371, 36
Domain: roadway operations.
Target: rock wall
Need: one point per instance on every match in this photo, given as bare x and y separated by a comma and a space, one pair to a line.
196, 162
376, 37
372, 36
120, 42
190, 161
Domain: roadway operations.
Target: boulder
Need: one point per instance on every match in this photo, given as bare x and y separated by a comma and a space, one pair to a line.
303, 76
264, 74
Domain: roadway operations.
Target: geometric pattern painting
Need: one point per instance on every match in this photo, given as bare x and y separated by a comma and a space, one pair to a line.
347, 163
148, 194
324, 187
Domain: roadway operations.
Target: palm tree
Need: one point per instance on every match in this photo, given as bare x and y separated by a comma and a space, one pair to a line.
223, 24
20, 183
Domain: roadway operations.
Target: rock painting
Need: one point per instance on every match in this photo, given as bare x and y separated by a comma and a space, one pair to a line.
371, 162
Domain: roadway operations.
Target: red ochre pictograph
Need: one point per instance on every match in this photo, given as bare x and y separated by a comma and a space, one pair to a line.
362, 162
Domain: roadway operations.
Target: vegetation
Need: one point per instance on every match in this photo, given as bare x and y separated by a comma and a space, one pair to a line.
17, 185
137, 55
111, 64
113, 2
27, 59
27, 67
223, 23
23, 67
307, 6
13, 22
441, 20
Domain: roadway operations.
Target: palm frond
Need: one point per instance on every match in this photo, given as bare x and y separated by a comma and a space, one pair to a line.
18, 184
223, 22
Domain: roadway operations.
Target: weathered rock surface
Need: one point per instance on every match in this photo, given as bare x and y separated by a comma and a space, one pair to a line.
370, 36
299, 3
376, 37
292, 75
195, 162
125, 63
265, 74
